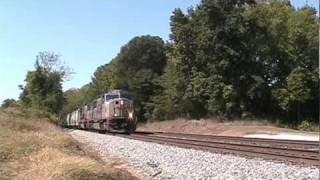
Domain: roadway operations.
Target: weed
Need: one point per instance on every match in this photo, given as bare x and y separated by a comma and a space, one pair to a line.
32, 147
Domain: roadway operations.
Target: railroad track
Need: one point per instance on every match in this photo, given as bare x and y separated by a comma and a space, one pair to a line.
297, 152
258, 141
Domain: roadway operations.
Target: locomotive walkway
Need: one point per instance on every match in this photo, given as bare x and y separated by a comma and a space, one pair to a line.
290, 151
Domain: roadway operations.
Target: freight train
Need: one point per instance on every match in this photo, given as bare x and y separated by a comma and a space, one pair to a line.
110, 112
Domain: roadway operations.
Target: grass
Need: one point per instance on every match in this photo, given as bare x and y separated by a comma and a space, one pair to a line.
228, 127
31, 147
306, 125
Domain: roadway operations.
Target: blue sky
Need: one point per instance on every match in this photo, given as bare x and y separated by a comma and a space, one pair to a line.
87, 33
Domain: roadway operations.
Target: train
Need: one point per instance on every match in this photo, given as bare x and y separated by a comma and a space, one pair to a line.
110, 112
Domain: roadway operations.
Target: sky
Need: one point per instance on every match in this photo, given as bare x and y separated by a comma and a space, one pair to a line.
86, 33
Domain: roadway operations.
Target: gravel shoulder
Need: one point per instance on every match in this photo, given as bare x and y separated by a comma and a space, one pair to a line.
155, 161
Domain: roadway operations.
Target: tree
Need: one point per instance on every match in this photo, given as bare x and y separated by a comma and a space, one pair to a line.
43, 89
166, 103
137, 66
236, 58
290, 58
76, 98
103, 79
212, 45
7, 103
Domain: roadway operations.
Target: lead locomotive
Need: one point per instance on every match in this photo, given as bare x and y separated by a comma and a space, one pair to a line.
112, 112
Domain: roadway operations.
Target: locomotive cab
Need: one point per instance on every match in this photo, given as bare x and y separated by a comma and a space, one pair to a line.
119, 111
112, 111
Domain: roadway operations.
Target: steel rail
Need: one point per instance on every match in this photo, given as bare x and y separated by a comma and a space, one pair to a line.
315, 143
294, 155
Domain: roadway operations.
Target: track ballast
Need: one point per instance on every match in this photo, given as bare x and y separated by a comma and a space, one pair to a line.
289, 151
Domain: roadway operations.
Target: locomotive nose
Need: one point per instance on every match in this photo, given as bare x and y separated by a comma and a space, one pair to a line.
130, 115
119, 103
119, 108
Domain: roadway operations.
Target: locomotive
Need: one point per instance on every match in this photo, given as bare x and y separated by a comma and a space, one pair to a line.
111, 112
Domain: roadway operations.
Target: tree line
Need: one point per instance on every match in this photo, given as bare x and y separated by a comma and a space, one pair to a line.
227, 58
236, 59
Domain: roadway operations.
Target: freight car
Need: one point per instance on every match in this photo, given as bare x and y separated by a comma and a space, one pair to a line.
112, 112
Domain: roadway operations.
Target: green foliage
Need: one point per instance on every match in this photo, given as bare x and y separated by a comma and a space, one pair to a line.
7, 103
227, 58
167, 102
237, 57
283, 98
214, 57
104, 78
136, 68
307, 125
43, 89
38, 113
76, 98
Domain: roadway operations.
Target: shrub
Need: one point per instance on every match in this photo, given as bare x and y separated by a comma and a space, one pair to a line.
8, 102
306, 125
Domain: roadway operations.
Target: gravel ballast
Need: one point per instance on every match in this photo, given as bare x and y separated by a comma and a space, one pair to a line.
167, 162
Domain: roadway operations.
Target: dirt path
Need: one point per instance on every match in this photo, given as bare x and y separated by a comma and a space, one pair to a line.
236, 128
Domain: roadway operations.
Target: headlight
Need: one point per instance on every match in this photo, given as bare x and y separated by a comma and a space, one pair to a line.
131, 115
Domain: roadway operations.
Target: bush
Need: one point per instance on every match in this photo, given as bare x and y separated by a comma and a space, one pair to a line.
36, 113
306, 125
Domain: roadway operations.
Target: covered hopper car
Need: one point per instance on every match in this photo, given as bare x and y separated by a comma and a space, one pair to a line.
112, 112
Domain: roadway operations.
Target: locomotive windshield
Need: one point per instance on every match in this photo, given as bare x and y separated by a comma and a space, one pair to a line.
125, 95
117, 94
111, 96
